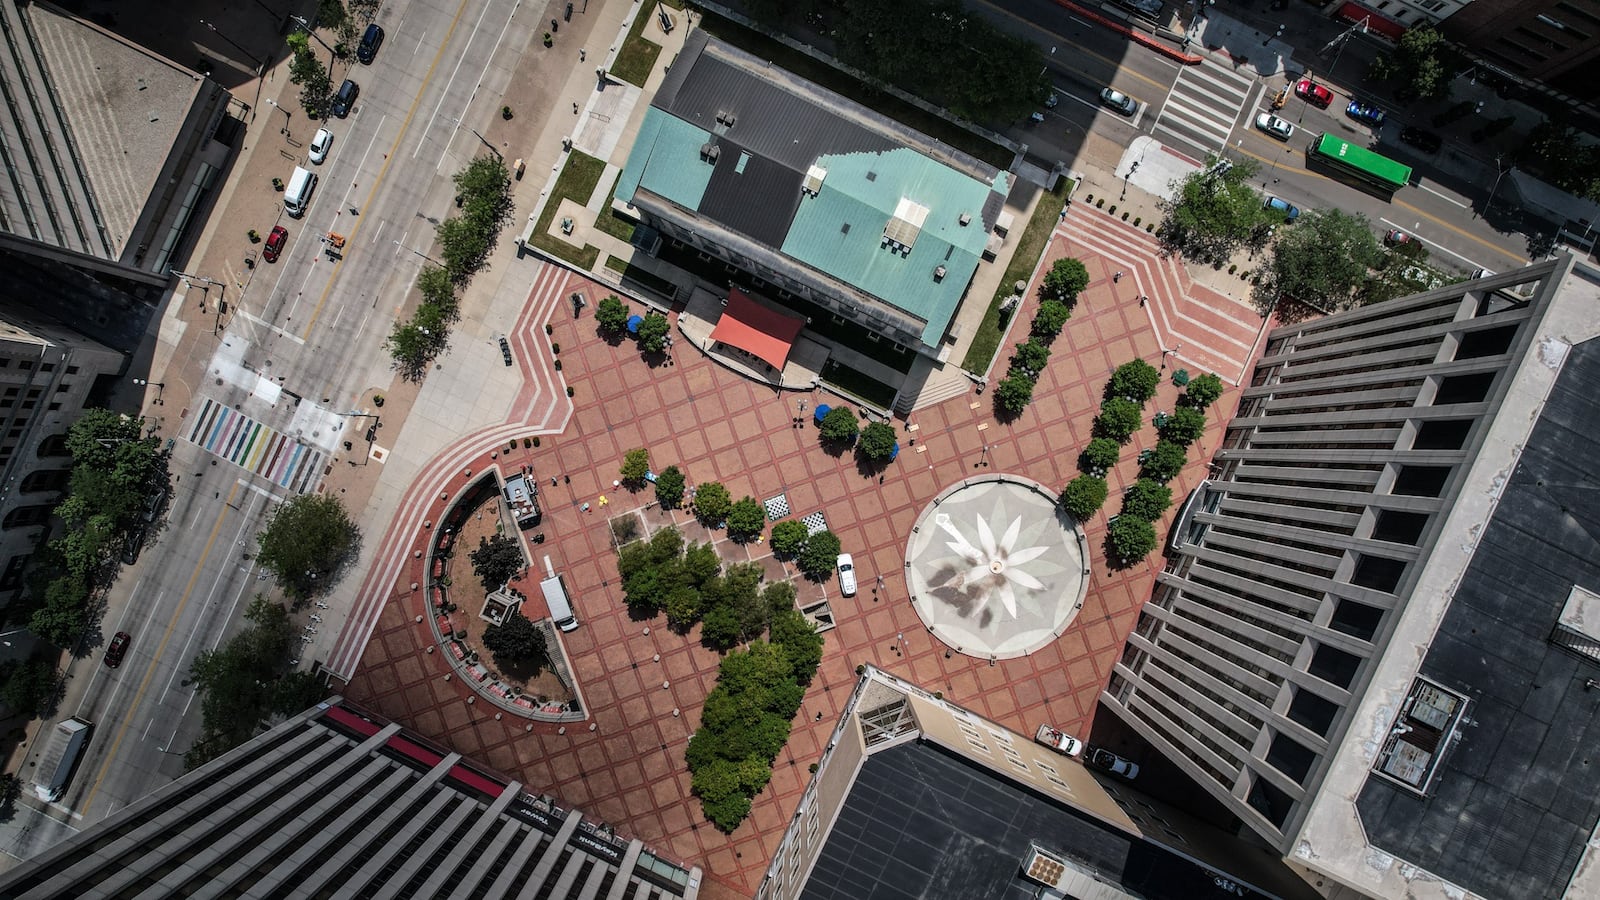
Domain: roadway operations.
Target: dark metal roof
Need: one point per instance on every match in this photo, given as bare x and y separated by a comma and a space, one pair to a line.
760, 201
1513, 802
921, 822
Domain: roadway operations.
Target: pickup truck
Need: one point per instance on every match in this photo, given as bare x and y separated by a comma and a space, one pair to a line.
1058, 741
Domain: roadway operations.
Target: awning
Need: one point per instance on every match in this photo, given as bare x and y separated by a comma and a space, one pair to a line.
755, 329
1355, 12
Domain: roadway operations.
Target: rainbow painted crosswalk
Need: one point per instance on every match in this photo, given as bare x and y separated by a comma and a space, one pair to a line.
264, 451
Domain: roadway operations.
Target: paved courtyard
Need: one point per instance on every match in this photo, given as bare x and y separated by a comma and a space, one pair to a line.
629, 770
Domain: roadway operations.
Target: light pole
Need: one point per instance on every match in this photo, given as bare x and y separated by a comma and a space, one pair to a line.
475, 131
983, 457
260, 66
160, 387
287, 116
417, 252
306, 27
1500, 170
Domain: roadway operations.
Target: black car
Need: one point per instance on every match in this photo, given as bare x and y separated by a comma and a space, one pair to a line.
346, 98
370, 42
1426, 141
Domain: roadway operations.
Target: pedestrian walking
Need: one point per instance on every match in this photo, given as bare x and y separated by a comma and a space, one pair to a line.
1142, 299
1116, 276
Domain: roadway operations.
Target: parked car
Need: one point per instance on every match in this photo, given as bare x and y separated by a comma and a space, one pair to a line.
345, 100
1394, 237
117, 649
1275, 126
371, 40
132, 545
1119, 101
1313, 93
274, 245
1364, 112
1426, 141
847, 575
1289, 210
1051, 101
1107, 761
1059, 741
320, 142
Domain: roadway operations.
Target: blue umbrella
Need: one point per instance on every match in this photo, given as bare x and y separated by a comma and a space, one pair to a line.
894, 451
822, 410
633, 324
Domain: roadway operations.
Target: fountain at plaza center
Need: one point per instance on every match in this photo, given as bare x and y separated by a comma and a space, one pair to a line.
996, 569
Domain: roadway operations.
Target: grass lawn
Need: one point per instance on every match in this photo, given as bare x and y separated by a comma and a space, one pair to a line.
782, 56
638, 56
576, 183
610, 222
1031, 246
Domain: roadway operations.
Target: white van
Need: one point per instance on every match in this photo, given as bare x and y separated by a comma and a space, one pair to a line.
555, 597
60, 758
297, 195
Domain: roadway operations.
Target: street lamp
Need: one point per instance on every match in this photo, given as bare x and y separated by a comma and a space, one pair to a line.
417, 252
287, 115
160, 386
485, 140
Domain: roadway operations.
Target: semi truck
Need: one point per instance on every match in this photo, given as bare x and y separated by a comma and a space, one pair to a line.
61, 755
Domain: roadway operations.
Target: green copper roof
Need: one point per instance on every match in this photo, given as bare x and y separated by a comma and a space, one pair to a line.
666, 160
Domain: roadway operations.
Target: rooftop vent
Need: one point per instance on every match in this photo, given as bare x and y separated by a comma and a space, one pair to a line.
939, 273
710, 151
725, 118
813, 183
966, 219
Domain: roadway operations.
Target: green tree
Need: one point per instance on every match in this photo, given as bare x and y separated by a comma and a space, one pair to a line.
797, 637
113, 471
27, 687
788, 537
497, 560
1083, 496
1130, 539
1119, 418
1422, 66
1048, 321
1013, 394
1100, 455
1065, 281
1165, 461
437, 289
645, 591
877, 441
518, 640
1137, 380
839, 426
413, 349
485, 189
464, 247
306, 70
683, 607
62, 615
635, 466
305, 542
712, 503
1212, 212
1030, 359
611, 315
1147, 499
669, 487
653, 332
746, 519
1184, 426
700, 564
819, 555
1202, 391
666, 545
1318, 265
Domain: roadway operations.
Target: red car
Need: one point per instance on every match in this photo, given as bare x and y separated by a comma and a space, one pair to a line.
116, 649
1313, 93
275, 242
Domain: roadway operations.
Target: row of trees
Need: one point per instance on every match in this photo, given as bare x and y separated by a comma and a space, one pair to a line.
483, 194
1058, 295
1131, 534
116, 474
611, 315
747, 717
840, 427
306, 68
247, 681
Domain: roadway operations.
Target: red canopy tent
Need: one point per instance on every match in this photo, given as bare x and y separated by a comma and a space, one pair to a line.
1376, 21
749, 326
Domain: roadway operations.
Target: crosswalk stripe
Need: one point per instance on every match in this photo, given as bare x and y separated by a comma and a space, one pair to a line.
251, 445
1203, 106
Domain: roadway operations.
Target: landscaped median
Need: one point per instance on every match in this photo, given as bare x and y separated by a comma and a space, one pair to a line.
1046, 212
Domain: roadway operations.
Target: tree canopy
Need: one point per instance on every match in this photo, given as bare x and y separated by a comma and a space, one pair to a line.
653, 332
1083, 496
839, 425
1211, 214
819, 555
611, 315
669, 487
1137, 380
305, 542
712, 503
1065, 280
746, 519
1119, 418
1318, 265
877, 441
518, 640
788, 537
497, 560
635, 466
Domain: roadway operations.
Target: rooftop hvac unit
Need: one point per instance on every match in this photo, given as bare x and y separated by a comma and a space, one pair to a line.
709, 152
725, 118
938, 273
966, 219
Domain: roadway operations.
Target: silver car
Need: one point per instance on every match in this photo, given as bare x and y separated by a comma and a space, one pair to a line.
1119, 101
1275, 126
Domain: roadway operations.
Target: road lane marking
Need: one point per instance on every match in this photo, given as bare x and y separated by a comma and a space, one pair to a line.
1435, 245
166, 637
389, 157
1446, 198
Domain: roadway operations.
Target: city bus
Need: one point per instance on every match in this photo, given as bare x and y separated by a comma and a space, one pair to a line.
1360, 164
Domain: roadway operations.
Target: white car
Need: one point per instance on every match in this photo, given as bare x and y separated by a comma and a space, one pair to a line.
1107, 761
1059, 741
847, 575
320, 144
1275, 126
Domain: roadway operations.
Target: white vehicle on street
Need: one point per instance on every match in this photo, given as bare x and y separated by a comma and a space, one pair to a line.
1275, 126
1059, 741
1107, 761
320, 143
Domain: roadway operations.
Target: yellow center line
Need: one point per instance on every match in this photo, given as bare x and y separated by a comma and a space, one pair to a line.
166, 638
1441, 223
384, 169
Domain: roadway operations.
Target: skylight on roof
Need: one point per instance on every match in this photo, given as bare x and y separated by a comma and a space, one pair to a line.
906, 224
813, 183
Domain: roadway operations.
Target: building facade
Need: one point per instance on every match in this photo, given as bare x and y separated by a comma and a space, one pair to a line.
1323, 636
1556, 42
48, 376
337, 803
